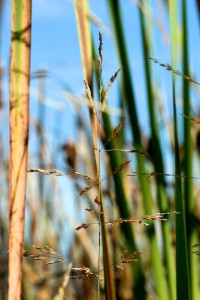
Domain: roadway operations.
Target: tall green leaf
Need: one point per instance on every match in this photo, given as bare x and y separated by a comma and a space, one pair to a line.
157, 154
192, 237
129, 99
182, 269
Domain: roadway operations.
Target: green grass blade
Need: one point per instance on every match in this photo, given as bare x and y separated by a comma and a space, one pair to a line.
157, 156
182, 268
131, 108
192, 237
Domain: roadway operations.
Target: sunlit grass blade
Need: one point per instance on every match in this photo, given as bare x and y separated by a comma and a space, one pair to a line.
157, 155
84, 31
192, 236
81, 9
19, 127
182, 268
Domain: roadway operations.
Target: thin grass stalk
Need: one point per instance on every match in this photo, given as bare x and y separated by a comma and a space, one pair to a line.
122, 201
192, 236
131, 108
81, 8
19, 127
157, 158
182, 267
108, 273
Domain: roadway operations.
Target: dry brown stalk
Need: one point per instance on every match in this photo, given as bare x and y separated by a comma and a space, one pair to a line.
83, 23
81, 10
19, 129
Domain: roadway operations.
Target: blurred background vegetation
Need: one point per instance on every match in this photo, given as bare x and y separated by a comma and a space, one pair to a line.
155, 43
